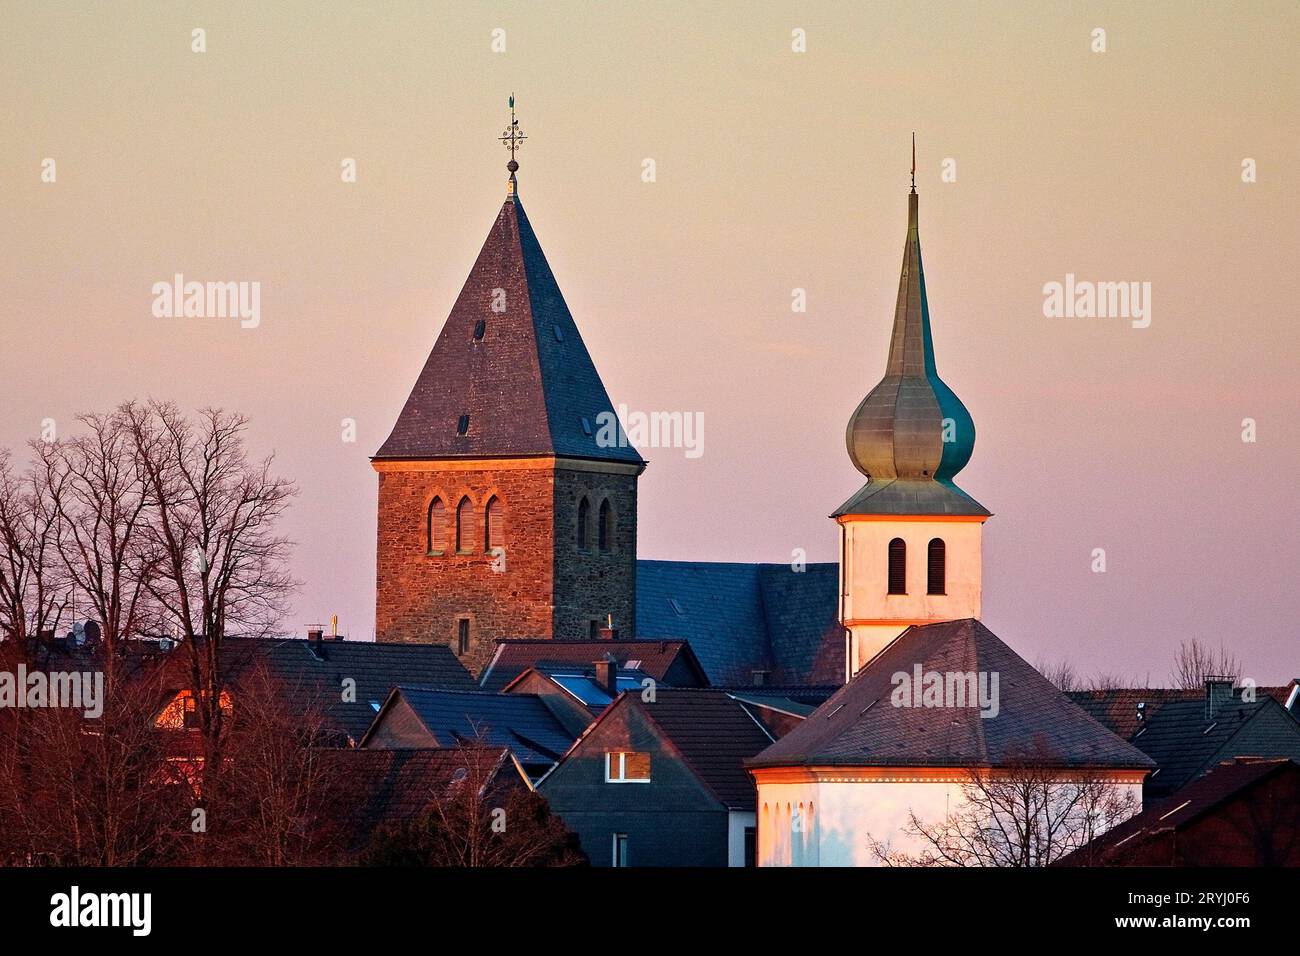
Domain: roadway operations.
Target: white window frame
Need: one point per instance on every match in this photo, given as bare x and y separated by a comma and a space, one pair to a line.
614, 850
622, 764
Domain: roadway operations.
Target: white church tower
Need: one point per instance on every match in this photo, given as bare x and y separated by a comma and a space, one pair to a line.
910, 538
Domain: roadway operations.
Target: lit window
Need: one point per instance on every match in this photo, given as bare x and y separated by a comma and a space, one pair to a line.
627, 766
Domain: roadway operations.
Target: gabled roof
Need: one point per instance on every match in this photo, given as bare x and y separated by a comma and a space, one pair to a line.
1178, 811
1184, 741
519, 722
1118, 708
379, 787
581, 684
740, 618
859, 726
710, 729
655, 658
527, 382
307, 674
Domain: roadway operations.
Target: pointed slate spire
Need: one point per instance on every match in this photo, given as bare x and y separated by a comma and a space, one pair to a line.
509, 375
911, 427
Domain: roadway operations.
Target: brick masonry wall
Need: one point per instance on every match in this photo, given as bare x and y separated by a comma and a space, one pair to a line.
590, 584
549, 588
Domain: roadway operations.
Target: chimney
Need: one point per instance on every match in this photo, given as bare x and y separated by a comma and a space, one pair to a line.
315, 635
608, 633
607, 675
1218, 691
759, 677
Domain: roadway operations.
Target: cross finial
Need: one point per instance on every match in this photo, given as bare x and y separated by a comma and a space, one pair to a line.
512, 139
913, 161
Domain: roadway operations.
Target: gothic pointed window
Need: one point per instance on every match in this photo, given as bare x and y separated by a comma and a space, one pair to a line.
464, 526
494, 532
605, 529
437, 526
584, 524
898, 566
936, 566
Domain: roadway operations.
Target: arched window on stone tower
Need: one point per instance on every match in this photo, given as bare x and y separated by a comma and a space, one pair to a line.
605, 533
494, 532
584, 523
437, 526
464, 526
898, 566
936, 566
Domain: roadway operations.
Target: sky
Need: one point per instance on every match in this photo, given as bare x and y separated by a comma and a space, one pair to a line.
775, 170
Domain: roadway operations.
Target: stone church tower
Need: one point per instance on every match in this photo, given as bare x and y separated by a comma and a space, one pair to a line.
500, 513
910, 538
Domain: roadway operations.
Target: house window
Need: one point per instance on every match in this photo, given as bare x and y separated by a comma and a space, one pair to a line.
191, 714
462, 636
620, 850
605, 532
627, 766
437, 526
584, 523
464, 526
937, 571
494, 533
897, 566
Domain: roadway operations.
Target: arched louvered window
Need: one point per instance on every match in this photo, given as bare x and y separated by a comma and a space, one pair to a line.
437, 526
464, 526
898, 566
937, 570
494, 532
605, 532
584, 524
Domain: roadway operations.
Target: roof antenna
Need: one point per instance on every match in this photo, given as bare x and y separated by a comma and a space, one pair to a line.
914, 161
512, 139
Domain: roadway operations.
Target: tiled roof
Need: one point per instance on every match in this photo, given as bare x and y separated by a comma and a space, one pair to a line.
527, 382
1182, 808
656, 658
740, 618
858, 725
715, 736
392, 786
1117, 708
1184, 742
520, 722
903, 497
312, 673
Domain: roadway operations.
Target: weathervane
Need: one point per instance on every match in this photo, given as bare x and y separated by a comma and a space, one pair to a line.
512, 139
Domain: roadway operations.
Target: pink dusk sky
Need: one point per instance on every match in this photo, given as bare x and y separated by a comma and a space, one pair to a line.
775, 170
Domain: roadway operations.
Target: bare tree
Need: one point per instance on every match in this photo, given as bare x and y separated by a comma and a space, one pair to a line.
220, 564
1028, 813
1061, 673
32, 592
1197, 661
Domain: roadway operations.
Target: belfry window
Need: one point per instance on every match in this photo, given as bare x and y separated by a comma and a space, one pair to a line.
584, 524
898, 566
936, 565
494, 530
464, 526
605, 531
437, 526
